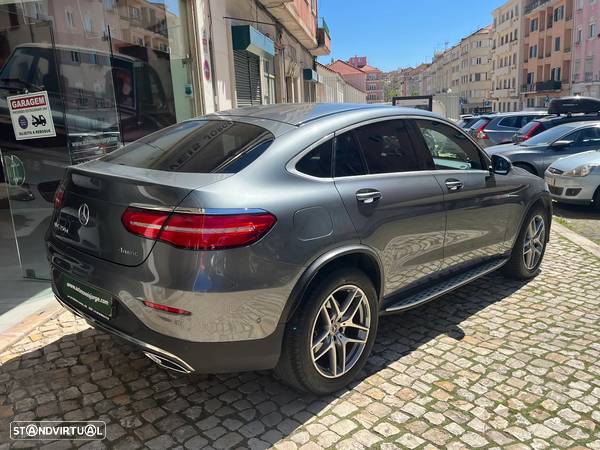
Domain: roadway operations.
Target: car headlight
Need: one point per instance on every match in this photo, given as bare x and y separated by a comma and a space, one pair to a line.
581, 171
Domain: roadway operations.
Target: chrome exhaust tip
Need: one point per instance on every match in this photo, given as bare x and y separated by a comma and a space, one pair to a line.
167, 363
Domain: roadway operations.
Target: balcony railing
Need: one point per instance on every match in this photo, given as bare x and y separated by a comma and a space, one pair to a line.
528, 88
534, 4
550, 85
323, 39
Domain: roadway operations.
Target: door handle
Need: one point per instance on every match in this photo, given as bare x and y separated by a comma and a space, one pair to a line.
454, 185
368, 195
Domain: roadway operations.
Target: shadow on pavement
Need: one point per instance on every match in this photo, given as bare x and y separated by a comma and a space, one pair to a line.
89, 375
567, 211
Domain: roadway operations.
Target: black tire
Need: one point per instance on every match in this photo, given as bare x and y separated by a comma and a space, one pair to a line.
516, 266
528, 167
296, 366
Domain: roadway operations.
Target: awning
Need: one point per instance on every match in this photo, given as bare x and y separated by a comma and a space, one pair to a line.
310, 76
246, 37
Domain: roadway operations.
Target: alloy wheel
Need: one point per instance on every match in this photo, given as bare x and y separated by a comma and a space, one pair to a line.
340, 331
533, 244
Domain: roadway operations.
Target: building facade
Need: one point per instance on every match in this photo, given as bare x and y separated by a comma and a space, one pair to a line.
474, 72
546, 52
374, 79
586, 48
332, 88
506, 57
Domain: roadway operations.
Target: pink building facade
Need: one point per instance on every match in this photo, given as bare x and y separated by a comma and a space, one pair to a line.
586, 49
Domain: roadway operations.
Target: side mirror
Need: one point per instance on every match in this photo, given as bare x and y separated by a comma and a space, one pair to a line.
559, 145
501, 165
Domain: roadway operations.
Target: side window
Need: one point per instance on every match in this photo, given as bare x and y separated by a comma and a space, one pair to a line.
317, 163
511, 122
387, 147
348, 157
449, 148
590, 137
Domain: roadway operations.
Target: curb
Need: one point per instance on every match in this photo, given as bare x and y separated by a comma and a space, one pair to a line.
28, 324
577, 239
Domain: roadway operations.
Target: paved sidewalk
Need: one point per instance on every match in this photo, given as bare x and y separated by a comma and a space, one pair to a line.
583, 220
496, 364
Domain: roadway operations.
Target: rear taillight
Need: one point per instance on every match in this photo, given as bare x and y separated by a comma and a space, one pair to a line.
198, 231
532, 132
143, 222
59, 196
480, 133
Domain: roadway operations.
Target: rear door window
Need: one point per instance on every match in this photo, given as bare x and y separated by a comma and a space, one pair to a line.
198, 146
349, 160
511, 122
387, 147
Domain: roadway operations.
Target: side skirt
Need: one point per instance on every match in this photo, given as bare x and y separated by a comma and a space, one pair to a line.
436, 290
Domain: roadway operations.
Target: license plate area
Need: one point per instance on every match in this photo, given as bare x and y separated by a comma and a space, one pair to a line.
88, 298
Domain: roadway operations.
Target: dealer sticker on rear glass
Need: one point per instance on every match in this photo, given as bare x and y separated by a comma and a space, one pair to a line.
31, 116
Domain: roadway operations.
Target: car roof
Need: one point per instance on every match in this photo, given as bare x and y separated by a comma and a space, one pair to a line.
569, 118
518, 113
574, 125
297, 114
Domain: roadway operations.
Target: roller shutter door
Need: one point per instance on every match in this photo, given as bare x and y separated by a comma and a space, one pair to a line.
247, 78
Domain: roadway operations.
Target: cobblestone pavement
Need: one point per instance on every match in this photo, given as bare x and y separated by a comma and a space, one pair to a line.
583, 220
494, 364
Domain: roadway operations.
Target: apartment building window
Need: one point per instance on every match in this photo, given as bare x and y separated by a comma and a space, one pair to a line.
533, 26
530, 78
533, 51
559, 13
592, 30
589, 65
557, 44
576, 69
514, 59
579, 35
87, 24
477, 77
579, 5
555, 74
70, 19
515, 34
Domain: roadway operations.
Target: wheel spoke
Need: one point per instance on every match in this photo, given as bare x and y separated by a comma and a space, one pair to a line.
342, 355
323, 350
320, 340
350, 324
333, 358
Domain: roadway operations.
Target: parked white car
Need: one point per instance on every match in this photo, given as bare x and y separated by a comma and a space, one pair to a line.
576, 178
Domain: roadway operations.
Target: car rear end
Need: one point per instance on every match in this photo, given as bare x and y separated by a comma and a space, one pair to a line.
145, 245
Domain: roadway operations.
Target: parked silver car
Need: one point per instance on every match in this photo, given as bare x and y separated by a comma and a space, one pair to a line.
537, 153
576, 178
274, 236
499, 128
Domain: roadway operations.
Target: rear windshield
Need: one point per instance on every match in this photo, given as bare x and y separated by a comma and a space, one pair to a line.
527, 128
197, 146
480, 123
548, 136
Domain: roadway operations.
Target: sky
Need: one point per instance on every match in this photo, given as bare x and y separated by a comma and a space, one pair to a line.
400, 33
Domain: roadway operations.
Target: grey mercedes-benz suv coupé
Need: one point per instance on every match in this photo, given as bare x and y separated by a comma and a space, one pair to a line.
275, 236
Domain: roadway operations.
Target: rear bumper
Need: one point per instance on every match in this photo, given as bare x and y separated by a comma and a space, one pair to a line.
185, 356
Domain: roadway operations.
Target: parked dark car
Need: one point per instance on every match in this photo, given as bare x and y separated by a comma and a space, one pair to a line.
499, 128
563, 110
537, 153
274, 236
466, 122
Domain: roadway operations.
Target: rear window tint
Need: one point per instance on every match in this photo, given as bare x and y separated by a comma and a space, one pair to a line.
480, 123
198, 146
527, 128
317, 162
